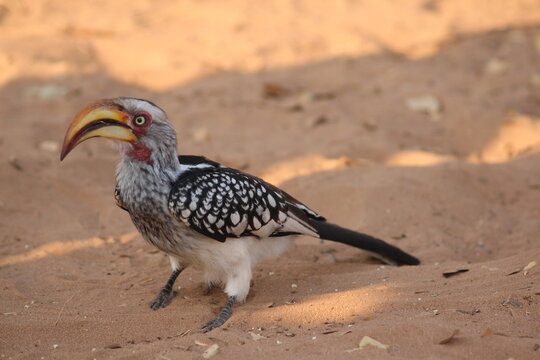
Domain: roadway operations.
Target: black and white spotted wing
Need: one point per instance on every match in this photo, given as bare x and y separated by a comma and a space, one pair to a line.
223, 203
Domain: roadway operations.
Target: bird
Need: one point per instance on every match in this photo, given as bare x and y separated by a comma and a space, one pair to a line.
199, 212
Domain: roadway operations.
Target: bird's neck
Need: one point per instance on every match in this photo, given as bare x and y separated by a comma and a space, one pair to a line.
155, 164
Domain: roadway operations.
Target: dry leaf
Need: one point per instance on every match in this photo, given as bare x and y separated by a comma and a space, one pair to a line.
184, 333
513, 272
528, 267
211, 351
453, 273
366, 340
448, 338
256, 337
326, 332
273, 90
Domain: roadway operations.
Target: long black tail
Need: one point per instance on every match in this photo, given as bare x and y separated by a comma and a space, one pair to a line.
336, 233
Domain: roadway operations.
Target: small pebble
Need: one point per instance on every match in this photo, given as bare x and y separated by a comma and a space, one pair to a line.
49, 146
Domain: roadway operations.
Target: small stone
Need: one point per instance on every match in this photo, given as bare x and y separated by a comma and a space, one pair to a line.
211, 351
49, 146
427, 104
495, 66
201, 135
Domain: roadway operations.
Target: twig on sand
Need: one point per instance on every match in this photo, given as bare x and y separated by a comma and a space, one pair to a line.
62, 309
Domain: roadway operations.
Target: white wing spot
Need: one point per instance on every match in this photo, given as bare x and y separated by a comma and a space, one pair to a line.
193, 206
256, 223
271, 200
235, 218
211, 218
185, 213
238, 230
266, 216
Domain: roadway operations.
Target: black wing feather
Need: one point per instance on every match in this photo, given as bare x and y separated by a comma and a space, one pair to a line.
221, 202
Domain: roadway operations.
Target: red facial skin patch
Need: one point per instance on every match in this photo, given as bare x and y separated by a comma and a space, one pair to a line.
140, 152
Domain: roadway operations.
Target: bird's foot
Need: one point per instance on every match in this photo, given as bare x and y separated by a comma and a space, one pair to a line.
222, 317
162, 299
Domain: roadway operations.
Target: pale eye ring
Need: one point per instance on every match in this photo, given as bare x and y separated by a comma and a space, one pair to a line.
139, 120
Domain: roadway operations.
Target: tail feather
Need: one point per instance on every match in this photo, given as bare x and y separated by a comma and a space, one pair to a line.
336, 233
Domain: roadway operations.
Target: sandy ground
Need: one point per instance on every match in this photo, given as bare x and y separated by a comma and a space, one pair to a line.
415, 121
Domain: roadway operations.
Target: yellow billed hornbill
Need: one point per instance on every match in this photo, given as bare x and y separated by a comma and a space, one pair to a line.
199, 212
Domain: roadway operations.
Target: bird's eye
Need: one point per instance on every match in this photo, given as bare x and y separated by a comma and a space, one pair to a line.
139, 120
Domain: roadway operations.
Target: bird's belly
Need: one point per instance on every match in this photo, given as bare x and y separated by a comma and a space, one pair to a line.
222, 259
164, 232
217, 259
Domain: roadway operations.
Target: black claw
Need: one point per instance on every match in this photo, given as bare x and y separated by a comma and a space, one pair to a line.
163, 299
222, 317
166, 294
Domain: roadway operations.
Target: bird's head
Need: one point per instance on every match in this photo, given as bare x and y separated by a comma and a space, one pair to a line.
141, 126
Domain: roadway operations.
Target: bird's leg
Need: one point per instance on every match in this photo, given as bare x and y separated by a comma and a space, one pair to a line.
165, 295
222, 317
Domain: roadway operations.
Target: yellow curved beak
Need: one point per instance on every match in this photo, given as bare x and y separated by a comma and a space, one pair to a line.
103, 118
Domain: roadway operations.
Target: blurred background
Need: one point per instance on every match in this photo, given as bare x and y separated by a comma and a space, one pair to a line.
414, 120
370, 69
